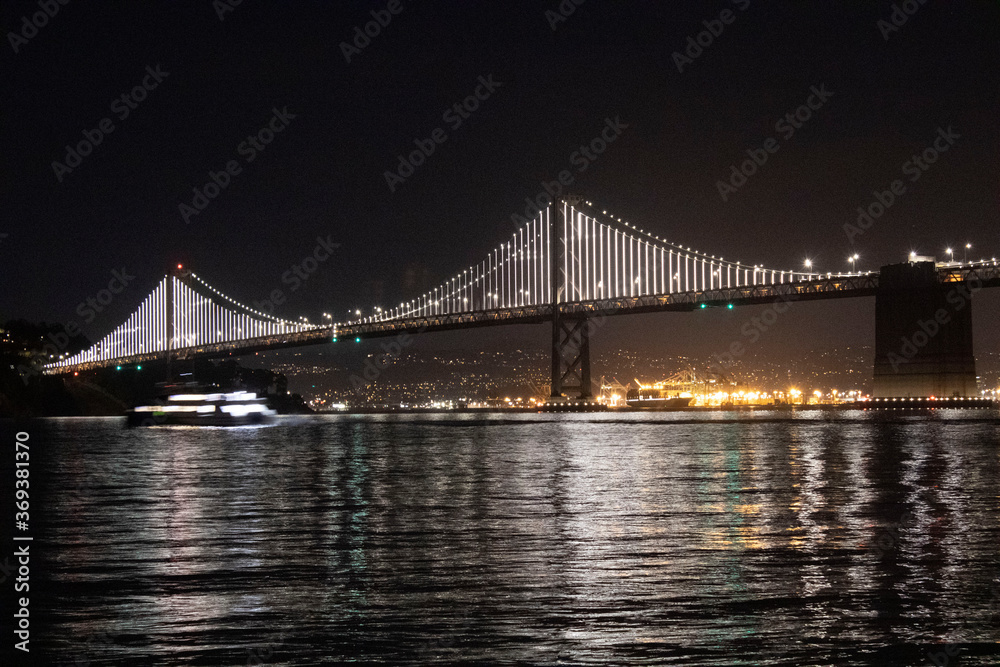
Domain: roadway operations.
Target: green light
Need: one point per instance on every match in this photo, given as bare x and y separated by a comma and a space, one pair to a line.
334, 339
138, 368
358, 339
704, 305
730, 306
118, 368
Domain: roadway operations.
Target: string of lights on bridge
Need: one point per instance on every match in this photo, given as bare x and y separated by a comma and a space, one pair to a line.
248, 308
601, 260
197, 321
505, 280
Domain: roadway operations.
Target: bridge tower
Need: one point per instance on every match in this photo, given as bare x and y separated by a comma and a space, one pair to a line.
570, 333
180, 272
170, 322
923, 334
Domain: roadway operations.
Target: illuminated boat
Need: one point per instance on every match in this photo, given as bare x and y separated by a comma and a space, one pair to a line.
234, 408
666, 395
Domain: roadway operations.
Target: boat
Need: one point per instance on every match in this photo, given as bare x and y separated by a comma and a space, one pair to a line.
657, 398
192, 405
671, 394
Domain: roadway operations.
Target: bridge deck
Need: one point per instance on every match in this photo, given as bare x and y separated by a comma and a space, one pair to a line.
827, 287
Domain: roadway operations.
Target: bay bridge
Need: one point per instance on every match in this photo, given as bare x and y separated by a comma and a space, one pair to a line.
569, 266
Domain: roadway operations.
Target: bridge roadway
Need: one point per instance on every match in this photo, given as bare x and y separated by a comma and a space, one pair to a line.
823, 287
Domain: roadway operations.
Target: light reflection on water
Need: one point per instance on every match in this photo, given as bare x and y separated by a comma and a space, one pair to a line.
707, 538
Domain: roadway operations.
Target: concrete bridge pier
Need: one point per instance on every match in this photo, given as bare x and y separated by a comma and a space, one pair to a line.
923, 334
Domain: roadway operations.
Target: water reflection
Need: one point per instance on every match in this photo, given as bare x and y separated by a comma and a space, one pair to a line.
529, 538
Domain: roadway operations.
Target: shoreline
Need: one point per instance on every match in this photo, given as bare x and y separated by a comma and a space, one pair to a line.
595, 408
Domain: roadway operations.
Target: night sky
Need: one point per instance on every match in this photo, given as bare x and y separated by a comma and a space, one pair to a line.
221, 80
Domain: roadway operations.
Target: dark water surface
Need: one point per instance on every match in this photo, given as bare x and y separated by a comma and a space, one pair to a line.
670, 538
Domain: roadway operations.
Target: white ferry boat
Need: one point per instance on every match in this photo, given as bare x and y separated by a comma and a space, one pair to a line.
189, 407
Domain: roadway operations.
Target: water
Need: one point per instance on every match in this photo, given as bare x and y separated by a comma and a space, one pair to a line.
670, 538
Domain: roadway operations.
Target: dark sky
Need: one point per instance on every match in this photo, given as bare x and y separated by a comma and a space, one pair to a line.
322, 176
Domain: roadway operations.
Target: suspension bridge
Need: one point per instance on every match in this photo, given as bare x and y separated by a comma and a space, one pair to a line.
567, 266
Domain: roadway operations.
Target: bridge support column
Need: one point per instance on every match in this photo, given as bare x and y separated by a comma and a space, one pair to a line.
571, 356
570, 333
923, 334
